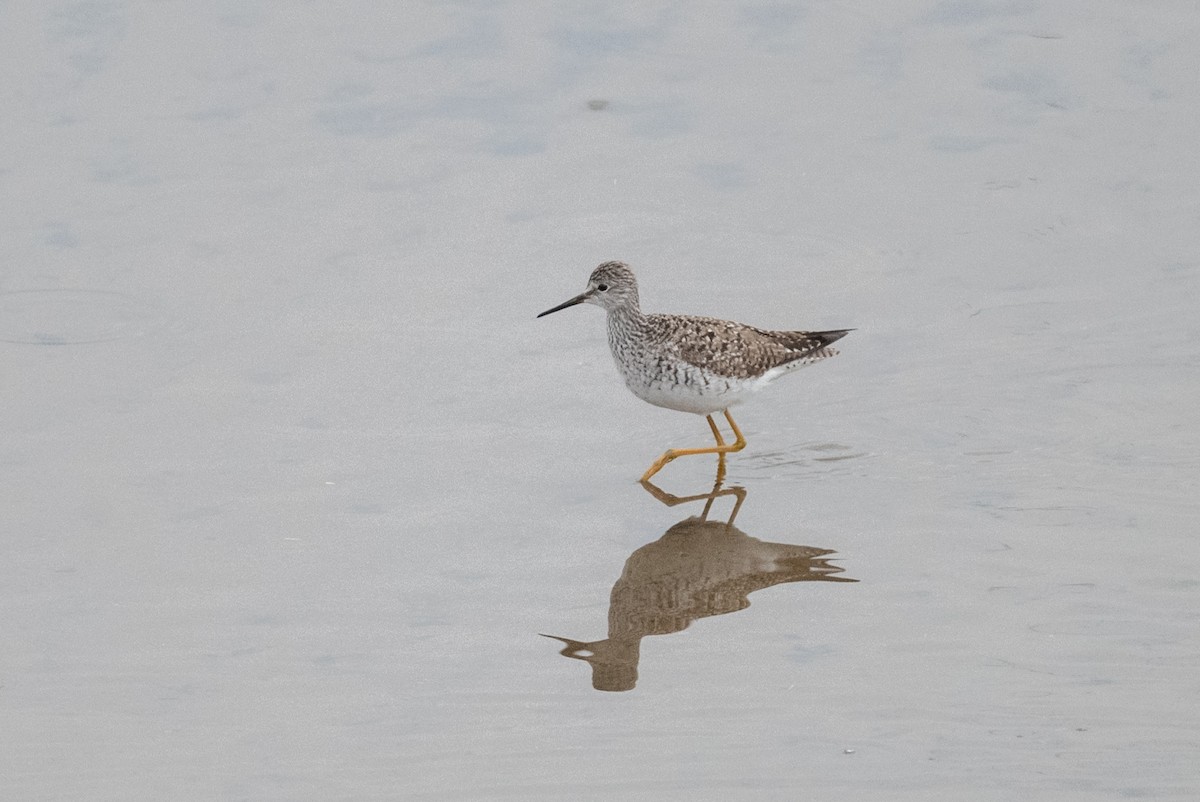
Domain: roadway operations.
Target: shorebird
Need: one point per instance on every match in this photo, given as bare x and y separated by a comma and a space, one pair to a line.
694, 364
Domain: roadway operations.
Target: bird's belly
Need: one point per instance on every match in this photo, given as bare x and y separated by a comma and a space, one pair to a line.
687, 389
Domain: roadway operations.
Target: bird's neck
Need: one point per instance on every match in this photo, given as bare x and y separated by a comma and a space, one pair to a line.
626, 319
628, 330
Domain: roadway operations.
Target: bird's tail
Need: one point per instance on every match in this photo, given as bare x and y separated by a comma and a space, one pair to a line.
809, 342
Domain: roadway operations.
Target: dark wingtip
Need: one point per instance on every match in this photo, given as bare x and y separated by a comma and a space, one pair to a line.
828, 337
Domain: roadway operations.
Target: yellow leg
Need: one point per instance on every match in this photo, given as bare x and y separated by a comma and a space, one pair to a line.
741, 441
712, 424
720, 448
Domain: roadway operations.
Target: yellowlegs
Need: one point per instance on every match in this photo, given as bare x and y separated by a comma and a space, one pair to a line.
693, 364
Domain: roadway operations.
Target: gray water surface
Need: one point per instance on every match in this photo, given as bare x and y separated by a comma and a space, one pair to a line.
294, 482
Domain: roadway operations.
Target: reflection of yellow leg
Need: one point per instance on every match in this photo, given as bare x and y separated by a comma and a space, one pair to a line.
708, 498
720, 448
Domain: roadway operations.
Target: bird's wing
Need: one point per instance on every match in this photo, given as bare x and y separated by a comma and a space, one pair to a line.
739, 351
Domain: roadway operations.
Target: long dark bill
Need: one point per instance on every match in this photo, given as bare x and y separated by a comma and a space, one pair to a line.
578, 299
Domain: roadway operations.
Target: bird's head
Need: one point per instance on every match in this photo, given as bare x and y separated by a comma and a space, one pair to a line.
611, 286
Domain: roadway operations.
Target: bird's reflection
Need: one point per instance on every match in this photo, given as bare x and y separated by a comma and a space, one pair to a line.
698, 568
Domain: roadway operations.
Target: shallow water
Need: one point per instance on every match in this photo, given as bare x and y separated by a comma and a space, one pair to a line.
296, 482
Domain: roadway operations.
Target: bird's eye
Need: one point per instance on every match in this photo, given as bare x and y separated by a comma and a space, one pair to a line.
602, 287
